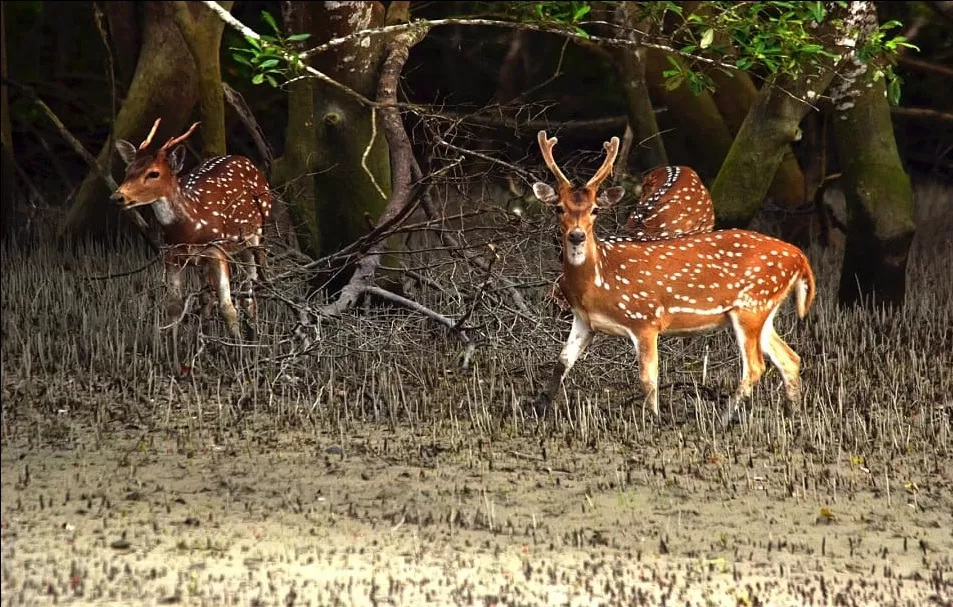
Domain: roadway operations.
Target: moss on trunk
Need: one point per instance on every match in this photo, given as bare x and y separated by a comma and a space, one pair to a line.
202, 30
735, 95
760, 146
164, 85
877, 190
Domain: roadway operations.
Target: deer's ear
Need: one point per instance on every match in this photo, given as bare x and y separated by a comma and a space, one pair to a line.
545, 193
610, 196
177, 159
126, 150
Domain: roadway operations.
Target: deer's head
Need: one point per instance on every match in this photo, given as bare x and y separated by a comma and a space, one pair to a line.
577, 207
150, 176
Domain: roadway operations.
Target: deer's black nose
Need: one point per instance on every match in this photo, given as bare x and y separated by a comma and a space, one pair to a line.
576, 237
116, 196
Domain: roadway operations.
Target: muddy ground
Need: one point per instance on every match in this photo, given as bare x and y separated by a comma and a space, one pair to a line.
130, 517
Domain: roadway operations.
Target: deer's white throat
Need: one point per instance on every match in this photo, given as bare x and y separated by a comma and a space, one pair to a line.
164, 211
576, 254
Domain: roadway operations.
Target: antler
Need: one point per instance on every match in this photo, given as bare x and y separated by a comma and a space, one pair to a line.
612, 150
148, 140
176, 140
546, 147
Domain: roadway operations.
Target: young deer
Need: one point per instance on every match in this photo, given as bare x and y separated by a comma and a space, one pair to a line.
210, 214
673, 202
685, 285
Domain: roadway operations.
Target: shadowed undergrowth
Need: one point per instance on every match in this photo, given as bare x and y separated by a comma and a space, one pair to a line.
80, 349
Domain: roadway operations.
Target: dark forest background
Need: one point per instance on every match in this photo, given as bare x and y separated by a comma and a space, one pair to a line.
485, 90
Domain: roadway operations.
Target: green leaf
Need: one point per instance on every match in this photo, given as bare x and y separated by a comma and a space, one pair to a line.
583, 33
298, 37
258, 78
267, 18
253, 42
241, 59
893, 90
581, 12
271, 81
674, 82
707, 38
268, 63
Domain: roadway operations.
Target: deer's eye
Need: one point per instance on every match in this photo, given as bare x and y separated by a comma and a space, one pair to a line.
152, 175
595, 210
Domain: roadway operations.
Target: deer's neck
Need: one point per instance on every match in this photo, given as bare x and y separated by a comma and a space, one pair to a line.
583, 270
177, 208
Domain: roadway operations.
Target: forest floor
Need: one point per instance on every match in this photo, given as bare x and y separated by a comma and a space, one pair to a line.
368, 471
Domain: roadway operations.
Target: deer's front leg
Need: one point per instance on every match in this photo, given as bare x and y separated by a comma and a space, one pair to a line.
249, 259
580, 336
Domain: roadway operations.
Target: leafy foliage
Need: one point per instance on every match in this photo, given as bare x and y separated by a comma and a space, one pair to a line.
769, 39
272, 57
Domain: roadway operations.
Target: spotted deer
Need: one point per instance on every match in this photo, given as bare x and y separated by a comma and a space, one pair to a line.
673, 202
208, 216
683, 286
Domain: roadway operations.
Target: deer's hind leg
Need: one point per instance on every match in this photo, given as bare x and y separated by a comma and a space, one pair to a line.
646, 346
219, 277
748, 328
784, 358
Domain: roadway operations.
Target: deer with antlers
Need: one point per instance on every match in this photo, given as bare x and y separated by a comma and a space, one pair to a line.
207, 217
673, 202
684, 285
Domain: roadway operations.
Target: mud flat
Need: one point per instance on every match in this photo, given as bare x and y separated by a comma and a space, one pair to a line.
140, 519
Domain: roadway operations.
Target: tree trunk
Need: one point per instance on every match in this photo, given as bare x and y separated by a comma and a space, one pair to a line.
630, 68
293, 170
735, 95
696, 117
880, 226
349, 197
202, 30
125, 35
760, 146
7, 157
345, 198
164, 85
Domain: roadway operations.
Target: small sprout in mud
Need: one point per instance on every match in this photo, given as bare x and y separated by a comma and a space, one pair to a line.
826, 517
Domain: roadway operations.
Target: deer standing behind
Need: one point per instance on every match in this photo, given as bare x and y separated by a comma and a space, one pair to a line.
207, 216
685, 285
674, 202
